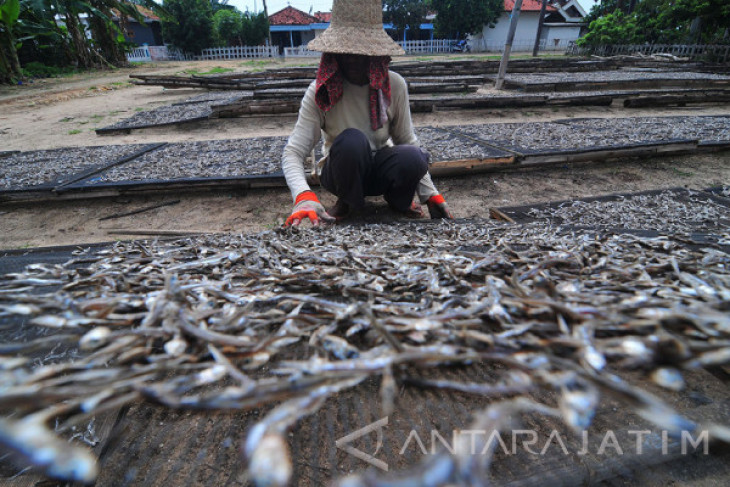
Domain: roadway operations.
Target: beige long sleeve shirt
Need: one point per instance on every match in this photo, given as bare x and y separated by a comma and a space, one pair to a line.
352, 111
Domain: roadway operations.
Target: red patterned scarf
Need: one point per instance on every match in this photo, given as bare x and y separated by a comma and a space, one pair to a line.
329, 87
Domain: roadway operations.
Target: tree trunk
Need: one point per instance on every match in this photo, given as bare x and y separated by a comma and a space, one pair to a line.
78, 41
9, 63
105, 38
695, 31
540, 23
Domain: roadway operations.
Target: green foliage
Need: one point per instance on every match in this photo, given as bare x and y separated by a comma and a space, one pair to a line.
36, 69
228, 27
613, 28
255, 29
405, 14
189, 26
455, 19
9, 12
660, 21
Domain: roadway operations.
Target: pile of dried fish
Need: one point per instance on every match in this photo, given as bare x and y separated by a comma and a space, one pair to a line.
442, 145
681, 213
613, 75
703, 128
35, 168
295, 316
165, 115
597, 132
205, 159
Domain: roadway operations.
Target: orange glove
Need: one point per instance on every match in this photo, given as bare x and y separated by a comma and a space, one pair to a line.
308, 206
438, 208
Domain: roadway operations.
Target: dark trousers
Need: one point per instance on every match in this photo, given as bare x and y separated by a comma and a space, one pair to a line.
352, 171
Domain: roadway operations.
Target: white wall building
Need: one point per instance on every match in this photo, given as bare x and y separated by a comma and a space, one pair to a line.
563, 23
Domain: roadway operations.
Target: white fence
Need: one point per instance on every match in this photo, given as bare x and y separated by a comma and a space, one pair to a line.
432, 46
139, 55
520, 45
719, 53
239, 52
300, 51
164, 53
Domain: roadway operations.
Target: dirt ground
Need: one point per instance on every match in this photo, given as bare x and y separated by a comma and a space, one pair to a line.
64, 112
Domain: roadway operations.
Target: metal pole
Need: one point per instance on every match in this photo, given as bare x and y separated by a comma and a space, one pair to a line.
508, 44
539, 28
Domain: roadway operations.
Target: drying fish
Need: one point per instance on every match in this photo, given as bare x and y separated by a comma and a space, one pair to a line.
241, 322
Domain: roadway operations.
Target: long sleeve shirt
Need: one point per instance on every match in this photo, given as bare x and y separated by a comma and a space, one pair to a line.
351, 111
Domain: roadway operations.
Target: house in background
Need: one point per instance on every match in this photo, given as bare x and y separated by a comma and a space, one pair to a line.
290, 27
148, 32
562, 25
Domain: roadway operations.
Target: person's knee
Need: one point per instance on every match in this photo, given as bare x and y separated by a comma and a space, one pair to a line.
351, 140
414, 162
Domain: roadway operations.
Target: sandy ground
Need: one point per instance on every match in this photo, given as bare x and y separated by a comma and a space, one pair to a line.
64, 112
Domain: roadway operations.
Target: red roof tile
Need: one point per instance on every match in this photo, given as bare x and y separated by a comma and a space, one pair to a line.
291, 16
527, 6
323, 16
147, 13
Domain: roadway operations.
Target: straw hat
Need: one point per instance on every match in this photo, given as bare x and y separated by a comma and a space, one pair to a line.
356, 28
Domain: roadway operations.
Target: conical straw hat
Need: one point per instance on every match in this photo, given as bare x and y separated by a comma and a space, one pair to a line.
356, 28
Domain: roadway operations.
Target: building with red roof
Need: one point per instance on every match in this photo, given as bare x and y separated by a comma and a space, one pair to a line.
148, 32
290, 27
563, 22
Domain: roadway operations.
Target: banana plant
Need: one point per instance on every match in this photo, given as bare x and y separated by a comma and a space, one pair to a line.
9, 64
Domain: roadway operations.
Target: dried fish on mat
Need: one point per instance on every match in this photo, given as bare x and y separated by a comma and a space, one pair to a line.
205, 159
50, 167
294, 317
682, 212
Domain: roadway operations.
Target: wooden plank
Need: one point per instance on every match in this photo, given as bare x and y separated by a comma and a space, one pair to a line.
681, 99
469, 166
612, 153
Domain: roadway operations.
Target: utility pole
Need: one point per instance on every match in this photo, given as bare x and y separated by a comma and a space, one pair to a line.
266, 13
539, 28
508, 44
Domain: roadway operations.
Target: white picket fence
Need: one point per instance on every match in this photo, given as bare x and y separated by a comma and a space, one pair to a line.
139, 55
519, 45
720, 53
239, 52
433, 46
300, 51
146, 54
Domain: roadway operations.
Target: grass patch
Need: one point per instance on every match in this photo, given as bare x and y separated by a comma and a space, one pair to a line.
139, 109
39, 70
66, 119
96, 118
74, 132
115, 112
92, 88
120, 83
215, 70
684, 174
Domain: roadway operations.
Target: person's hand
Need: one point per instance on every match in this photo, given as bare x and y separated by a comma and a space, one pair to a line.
438, 208
308, 206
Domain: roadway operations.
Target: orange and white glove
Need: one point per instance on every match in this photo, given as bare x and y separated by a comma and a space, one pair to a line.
438, 208
308, 206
